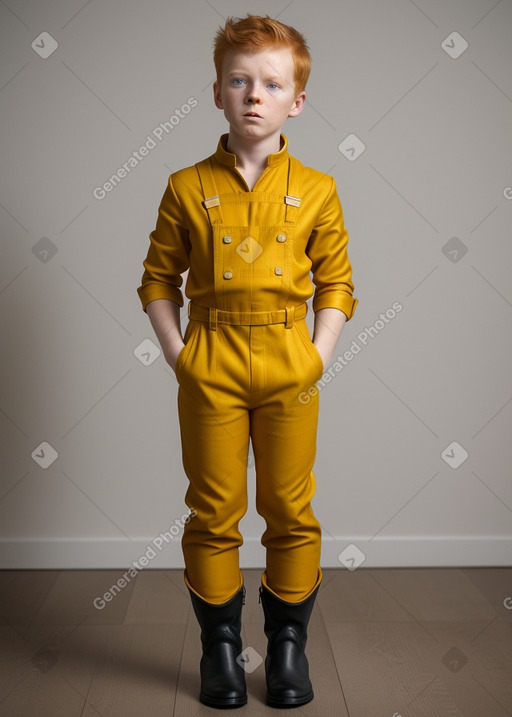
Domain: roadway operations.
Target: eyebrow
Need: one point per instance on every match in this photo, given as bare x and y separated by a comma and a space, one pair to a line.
269, 77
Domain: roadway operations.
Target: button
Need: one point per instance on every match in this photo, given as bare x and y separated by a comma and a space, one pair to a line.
228, 275
278, 271
281, 238
227, 239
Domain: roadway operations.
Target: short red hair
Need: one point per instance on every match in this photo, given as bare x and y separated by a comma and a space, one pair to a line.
255, 33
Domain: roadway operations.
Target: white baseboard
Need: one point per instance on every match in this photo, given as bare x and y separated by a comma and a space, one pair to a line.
392, 552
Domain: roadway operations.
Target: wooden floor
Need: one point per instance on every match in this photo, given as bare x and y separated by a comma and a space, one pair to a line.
390, 643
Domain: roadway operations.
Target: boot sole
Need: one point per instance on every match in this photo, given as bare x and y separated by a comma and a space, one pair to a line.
284, 702
223, 704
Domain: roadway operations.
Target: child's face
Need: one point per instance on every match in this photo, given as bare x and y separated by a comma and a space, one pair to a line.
262, 83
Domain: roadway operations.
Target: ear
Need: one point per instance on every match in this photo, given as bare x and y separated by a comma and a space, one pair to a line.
217, 96
298, 105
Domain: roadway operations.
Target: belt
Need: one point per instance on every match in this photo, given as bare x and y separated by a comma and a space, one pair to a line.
252, 318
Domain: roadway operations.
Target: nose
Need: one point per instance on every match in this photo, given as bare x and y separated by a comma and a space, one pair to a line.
253, 94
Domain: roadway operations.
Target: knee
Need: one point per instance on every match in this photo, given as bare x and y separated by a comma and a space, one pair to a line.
219, 517
280, 512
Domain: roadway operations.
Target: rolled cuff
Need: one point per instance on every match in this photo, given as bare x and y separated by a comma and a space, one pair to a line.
334, 300
155, 290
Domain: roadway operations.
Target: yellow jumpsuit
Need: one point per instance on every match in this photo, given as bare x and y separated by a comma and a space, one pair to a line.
248, 355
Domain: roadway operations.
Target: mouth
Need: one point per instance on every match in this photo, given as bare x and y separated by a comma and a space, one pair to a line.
253, 114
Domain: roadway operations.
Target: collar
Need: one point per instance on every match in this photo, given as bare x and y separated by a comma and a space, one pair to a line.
229, 158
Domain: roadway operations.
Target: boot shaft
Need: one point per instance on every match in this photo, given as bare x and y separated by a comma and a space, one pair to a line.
282, 615
219, 621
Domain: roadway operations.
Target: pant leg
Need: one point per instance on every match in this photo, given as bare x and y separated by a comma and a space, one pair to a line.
214, 427
284, 434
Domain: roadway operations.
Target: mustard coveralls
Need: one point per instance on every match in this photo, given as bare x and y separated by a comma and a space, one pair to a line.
248, 356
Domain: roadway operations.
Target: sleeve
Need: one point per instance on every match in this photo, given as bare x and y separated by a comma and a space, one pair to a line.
327, 249
168, 253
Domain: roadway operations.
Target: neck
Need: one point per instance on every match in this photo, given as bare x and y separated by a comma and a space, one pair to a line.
252, 153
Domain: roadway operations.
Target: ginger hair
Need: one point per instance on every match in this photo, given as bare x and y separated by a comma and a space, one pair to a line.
254, 33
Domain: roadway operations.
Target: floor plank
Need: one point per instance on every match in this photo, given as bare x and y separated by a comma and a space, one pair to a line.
22, 592
137, 671
409, 642
156, 599
71, 599
435, 594
46, 670
495, 585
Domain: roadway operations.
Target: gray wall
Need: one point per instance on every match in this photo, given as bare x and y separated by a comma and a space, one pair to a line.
91, 463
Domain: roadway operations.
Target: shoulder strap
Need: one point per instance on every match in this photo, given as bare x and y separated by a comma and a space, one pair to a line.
292, 199
211, 201
293, 196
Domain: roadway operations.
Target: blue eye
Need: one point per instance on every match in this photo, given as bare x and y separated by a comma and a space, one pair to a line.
236, 80
273, 85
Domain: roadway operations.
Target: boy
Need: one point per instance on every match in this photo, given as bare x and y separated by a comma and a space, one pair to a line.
249, 223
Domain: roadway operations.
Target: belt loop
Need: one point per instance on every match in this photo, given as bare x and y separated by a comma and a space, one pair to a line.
290, 316
212, 319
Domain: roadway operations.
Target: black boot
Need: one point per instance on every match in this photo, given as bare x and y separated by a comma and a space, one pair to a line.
286, 664
222, 677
